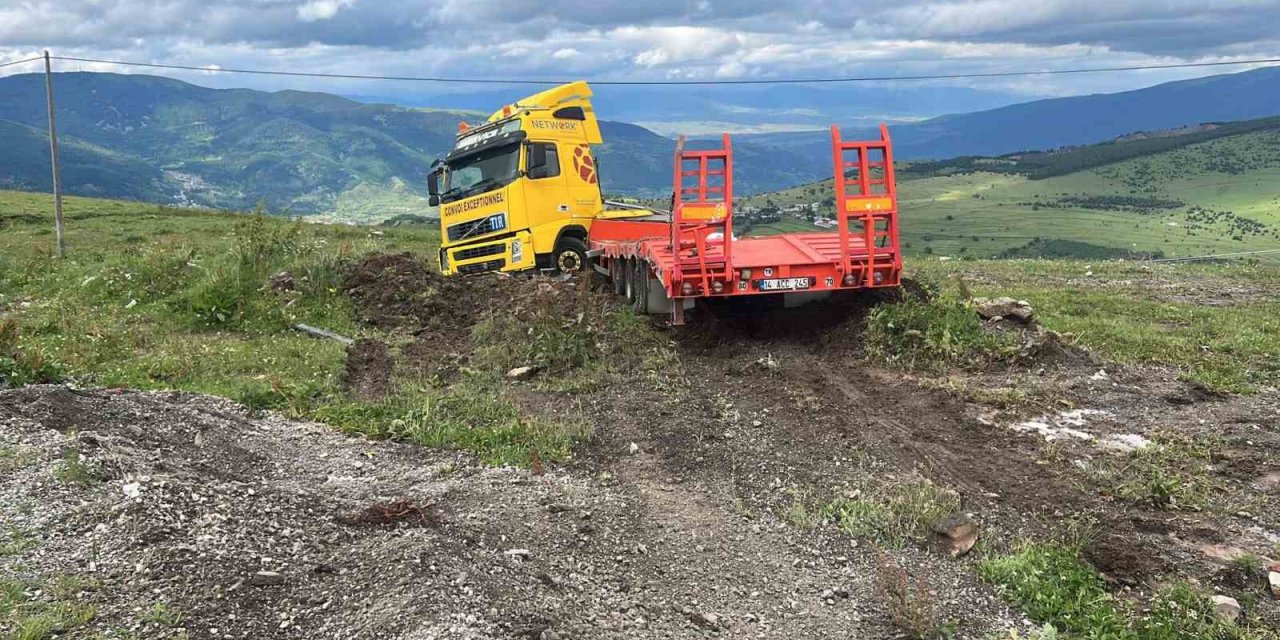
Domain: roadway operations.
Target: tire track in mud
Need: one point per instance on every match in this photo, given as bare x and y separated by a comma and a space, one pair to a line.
999, 474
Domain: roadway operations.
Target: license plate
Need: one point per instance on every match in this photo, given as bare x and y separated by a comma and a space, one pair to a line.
784, 284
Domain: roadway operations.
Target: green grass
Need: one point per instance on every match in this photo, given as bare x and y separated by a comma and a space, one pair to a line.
1053, 586
74, 470
1173, 473
57, 612
162, 615
944, 331
1141, 314
152, 298
477, 414
892, 510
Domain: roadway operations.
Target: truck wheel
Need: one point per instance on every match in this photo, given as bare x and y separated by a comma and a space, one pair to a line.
570, 255
640, 303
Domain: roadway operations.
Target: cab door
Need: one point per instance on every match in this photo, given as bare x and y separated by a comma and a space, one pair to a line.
545, 194
583, 180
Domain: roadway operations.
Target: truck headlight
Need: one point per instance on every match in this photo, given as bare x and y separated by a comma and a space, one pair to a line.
517, 252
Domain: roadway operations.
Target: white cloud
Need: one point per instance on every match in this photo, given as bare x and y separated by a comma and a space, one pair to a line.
315, 10
655, 39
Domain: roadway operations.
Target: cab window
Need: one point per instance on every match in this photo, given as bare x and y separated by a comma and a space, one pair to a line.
542, 161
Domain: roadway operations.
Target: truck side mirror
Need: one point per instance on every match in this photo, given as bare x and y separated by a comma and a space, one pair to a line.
433, 182
433, 188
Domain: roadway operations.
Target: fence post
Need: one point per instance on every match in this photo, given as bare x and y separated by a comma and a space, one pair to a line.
53, 153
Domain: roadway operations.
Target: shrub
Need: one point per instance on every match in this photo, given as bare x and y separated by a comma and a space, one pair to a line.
1052, 585
910, 602
893, 510
939, 332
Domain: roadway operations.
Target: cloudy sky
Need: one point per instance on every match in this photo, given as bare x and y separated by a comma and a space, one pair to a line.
648, 39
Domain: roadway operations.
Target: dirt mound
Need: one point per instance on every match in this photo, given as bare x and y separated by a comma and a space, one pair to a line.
396, 291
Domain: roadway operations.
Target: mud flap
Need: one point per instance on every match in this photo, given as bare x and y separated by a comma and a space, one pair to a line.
658, 300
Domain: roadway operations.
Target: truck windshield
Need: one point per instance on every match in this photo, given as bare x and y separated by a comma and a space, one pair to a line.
481, 172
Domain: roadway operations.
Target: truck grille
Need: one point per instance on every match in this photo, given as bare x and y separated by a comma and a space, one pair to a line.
492, 265
480, 227
478, 252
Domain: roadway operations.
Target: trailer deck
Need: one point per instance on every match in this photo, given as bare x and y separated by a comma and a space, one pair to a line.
664, 262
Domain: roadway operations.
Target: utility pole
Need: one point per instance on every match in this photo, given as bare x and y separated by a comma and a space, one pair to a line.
53, 153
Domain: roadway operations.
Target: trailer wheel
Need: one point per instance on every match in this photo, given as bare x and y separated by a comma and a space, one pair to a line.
627, 271
570, 255
640, 276
616, 269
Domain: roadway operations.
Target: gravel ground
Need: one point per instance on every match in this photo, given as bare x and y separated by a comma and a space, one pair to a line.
260, 527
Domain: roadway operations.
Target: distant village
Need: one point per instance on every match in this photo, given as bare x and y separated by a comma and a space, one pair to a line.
819, 214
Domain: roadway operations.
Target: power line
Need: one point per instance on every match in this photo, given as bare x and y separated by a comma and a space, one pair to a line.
9, 64
940, 76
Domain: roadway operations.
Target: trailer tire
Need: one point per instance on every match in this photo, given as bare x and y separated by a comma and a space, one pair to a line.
616, 269
627, 270
640, 276
570, 255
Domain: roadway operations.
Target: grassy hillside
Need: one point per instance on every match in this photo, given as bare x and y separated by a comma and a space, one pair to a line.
1177, 196
162, 139
153, 297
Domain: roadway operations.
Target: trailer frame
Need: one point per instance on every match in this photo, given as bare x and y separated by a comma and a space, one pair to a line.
666, 262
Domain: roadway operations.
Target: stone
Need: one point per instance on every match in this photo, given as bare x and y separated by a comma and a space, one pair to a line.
521, 373
633, 448
955, 535
1124, 443
1226, 608
266, 579
1273, 579
1004, 308
283, 281
706, 620
1221, 553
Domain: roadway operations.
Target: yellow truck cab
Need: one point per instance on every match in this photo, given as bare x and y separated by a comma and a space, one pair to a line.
520, 191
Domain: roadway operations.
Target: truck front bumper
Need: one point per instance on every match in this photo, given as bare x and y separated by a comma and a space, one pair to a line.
513, 253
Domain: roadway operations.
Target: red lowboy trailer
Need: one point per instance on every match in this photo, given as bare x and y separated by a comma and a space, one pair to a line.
665, 262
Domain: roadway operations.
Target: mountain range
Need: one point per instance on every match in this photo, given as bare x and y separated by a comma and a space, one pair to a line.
1058, 122
159, 139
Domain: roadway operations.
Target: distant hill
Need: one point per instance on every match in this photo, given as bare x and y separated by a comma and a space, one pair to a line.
1214, 189
162, 139
684, 109
1057, 122
159, 139
637, 161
